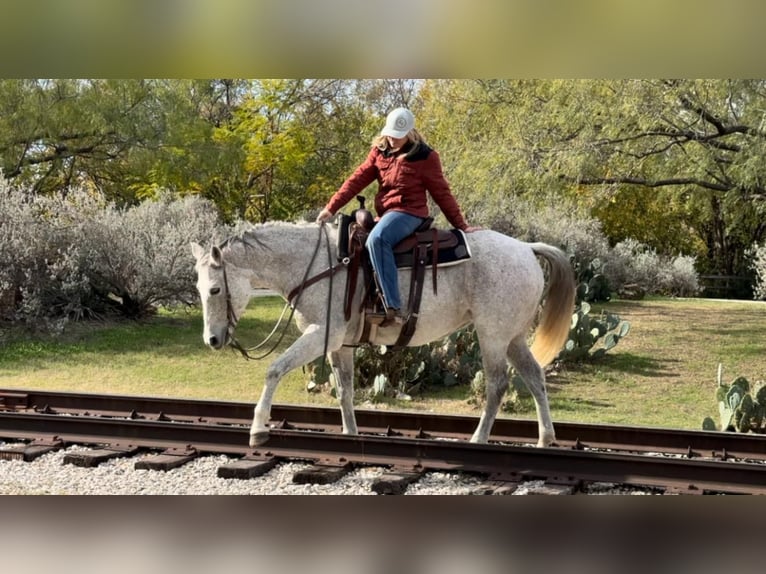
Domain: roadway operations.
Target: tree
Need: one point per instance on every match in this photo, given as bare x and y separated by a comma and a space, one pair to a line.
56, 133
685, 155
298, 140
703, 140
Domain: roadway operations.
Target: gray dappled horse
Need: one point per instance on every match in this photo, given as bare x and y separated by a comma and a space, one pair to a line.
499, 290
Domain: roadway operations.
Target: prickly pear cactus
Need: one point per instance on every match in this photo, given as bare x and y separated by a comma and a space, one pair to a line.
585, 331
739, 409
379, 387
593, 285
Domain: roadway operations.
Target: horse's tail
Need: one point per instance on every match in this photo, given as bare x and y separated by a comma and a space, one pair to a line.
553, 327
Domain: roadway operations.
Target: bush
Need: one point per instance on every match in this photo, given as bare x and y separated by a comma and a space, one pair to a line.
42, 281
758, 264
586, 330
380, 371
581, 236
73, 255
633, 263
139, 257
682, 279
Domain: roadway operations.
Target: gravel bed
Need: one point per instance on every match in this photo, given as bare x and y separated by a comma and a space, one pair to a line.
49, 475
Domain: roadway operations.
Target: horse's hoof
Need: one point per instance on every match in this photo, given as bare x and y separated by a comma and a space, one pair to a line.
259, 438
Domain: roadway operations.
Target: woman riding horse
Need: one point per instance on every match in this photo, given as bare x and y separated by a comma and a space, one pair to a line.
405, 167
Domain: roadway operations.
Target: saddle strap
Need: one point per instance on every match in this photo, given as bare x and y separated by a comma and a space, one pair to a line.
353, 269
435, 256
316, 278
351, 280
416, 292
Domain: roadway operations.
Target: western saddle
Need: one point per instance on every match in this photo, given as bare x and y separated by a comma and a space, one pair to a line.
416, 251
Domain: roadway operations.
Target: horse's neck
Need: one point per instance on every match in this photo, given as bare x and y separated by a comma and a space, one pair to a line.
279, 255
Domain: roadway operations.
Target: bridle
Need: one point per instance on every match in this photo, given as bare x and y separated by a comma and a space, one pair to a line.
292, 302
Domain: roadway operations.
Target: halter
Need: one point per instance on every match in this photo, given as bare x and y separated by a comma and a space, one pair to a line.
232, 319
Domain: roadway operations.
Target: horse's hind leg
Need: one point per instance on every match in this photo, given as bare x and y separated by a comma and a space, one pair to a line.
534, 378
343, 368
496, 377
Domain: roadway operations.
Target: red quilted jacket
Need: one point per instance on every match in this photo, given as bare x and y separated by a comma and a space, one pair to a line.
402, 184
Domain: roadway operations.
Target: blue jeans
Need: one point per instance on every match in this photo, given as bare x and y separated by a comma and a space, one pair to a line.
390, 230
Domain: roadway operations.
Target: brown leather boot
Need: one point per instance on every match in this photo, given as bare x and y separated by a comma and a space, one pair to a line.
393, 317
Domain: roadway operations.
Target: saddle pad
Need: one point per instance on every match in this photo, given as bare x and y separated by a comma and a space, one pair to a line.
447, 256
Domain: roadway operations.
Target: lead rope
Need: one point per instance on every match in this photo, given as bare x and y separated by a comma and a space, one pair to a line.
245, 351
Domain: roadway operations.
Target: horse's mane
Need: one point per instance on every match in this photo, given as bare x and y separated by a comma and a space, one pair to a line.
250, 237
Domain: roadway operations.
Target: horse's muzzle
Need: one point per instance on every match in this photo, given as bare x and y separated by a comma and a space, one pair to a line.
217, 342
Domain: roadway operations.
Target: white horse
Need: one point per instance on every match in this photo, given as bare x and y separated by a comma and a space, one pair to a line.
499, 290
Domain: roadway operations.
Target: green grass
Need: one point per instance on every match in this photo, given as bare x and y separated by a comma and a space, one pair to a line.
662, 374
162, 357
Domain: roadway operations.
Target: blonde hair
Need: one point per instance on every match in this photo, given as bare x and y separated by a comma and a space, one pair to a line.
413, 136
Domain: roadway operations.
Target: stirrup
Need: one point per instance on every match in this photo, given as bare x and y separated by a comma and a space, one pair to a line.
375, 318
393, 317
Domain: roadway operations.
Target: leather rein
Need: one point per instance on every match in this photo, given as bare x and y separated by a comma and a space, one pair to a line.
292, 301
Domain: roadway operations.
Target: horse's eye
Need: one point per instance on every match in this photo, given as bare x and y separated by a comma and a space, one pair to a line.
215, 290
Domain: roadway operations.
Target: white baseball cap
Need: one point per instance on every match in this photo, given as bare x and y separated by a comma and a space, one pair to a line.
398, 123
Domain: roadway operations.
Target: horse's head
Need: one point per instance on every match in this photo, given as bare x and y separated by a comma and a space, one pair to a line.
224, 290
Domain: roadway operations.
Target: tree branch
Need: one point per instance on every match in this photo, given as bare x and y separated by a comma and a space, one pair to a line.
651, 183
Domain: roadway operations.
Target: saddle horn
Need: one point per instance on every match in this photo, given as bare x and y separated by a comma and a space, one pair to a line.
362, 215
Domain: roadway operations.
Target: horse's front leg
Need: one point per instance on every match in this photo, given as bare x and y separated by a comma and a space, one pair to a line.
342, 362
305, 349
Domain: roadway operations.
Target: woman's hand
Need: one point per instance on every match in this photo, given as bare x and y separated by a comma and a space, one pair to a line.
470, 229
324, 215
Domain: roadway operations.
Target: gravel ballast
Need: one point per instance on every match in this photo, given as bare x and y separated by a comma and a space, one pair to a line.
49, 475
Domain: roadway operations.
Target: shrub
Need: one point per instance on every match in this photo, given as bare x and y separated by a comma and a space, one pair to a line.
380, 371
72, 255
42, 280
758, 264
605, 269
682, 279
139, 257
592, 285
633, 263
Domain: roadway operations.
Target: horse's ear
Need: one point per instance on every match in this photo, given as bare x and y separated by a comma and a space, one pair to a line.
197, 250
216, 257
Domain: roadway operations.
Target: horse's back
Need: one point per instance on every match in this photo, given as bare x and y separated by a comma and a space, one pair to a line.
501, 263
499, 287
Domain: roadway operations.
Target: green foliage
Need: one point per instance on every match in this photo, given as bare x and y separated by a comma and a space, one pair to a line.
454, 360
593, 286
673, 164
258, 149
383, 372
63, 132
586, 331
741, 406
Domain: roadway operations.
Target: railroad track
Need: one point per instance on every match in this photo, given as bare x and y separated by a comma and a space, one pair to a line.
408, 444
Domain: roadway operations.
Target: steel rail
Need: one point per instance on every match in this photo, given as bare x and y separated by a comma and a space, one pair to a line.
723, 445
505, 461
